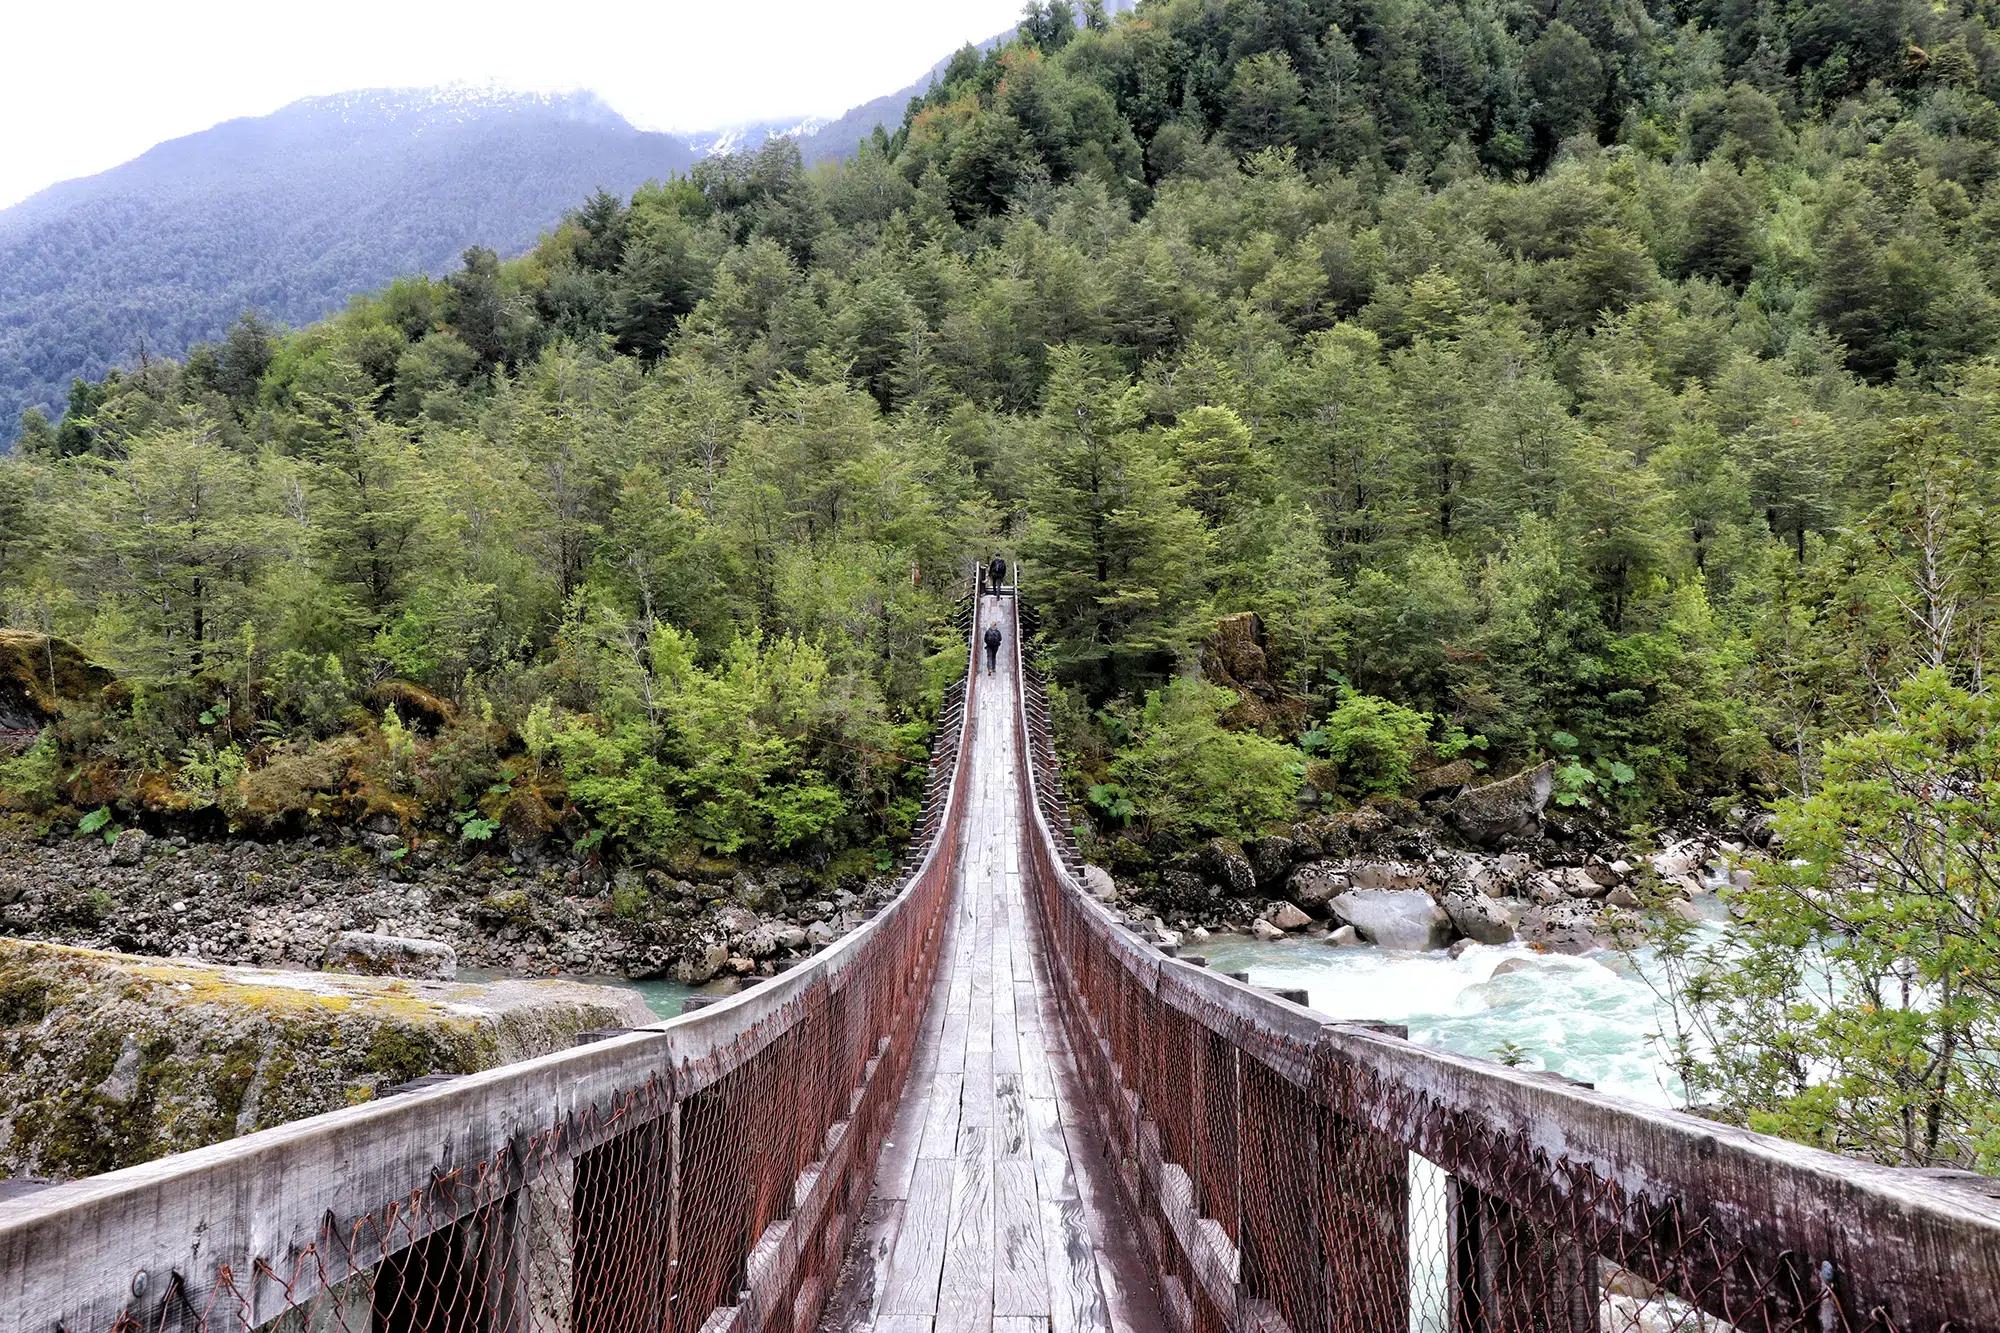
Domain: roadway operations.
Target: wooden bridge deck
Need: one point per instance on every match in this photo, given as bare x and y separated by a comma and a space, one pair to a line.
994, 1210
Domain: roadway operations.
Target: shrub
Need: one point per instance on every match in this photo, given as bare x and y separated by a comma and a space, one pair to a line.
1372, 742
1187, 777
31, 778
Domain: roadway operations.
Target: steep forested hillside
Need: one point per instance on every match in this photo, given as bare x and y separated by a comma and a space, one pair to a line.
289, 214
1601, 384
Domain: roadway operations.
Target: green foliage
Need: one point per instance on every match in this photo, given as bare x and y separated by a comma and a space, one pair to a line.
1631, 382
34, 776
1372, 742
208, 775
475, 827
1185, 776
1855, 1005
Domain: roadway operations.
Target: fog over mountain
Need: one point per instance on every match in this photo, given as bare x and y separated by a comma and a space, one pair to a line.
289, 214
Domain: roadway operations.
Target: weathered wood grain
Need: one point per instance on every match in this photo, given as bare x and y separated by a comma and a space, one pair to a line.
965, 1294
941, 1117
918, 1262
1017, 1253
1020, 1257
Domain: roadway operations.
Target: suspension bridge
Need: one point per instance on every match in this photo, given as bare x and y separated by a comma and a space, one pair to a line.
994, 1107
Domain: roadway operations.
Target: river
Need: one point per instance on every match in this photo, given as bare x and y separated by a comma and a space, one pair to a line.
1591, 1018
663, 997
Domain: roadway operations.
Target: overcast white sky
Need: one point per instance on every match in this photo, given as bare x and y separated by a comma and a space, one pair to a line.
92, 85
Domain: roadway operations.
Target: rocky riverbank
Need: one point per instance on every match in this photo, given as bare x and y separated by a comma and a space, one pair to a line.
279, 904
1399, 878
112, 1060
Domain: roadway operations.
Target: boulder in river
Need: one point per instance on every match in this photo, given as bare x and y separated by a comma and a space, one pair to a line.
1570, 926
1222, 863
1570, 882
1270, 860
1185, 891
1511, 807
367, 954
1394, 918
1285, 916
700, 970
1100, 884
1485, 875
1316, 883
1477, 917
1385, 875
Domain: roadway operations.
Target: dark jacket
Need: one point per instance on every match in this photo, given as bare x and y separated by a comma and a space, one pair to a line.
992, 638
996, 573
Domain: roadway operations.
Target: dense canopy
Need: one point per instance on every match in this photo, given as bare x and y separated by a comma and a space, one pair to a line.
1598, 382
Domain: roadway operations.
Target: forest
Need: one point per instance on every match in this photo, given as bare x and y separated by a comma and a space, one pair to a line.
1601, 383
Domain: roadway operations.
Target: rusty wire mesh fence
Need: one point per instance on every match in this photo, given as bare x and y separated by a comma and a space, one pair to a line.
1293, 1173
705, 1175
1286, 1172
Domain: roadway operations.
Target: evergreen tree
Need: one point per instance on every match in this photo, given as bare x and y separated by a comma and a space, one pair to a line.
1120, 559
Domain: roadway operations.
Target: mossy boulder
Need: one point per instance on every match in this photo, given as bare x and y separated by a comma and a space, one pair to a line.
41, 678
415, 706
1509, 808
107, 1060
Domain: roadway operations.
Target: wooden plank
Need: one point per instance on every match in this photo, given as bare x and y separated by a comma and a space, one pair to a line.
918, 1261
976, 1103
1036, 1079
906, 1135
1010, 1119
979, 1030
852, 1309
902, 1323
1117, 1293
965, 1295
1069, 1255
941, 1116
951, 1042
1020, 1259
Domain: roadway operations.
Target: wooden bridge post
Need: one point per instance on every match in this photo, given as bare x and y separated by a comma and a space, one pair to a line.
1283, 1267
458, 1279
622, 1224
710, 1239
1511, 1274
1216, 1168
1364, 1209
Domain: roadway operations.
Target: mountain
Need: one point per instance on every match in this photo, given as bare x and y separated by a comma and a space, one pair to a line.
290, 214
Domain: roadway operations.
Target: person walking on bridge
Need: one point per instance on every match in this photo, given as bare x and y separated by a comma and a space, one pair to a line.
992, 641
996, 573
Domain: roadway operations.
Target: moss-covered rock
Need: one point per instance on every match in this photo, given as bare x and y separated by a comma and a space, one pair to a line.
41, 677
1509, 808
107, 1060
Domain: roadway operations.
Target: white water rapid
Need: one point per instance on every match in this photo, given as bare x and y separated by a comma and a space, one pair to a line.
1590, 1018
